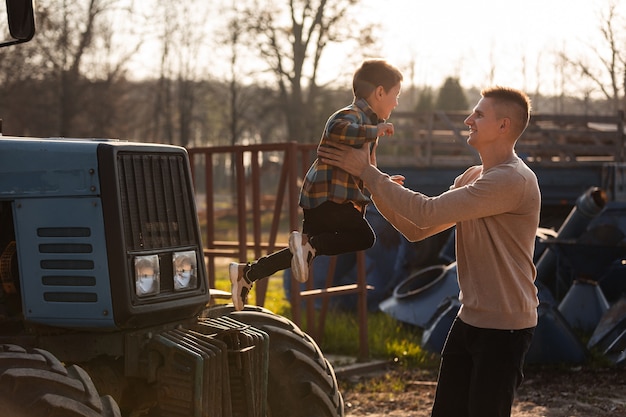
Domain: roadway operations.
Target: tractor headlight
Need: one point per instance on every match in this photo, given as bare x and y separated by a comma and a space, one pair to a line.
147, 275
185, 270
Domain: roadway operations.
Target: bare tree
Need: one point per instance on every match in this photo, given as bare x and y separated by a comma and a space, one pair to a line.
234, 125
291, 40
73, 65
610, 77
237, 102
252, 112
67, 33
181, 38
161, 122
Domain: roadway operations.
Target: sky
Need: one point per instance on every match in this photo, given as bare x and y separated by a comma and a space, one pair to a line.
515, 38
482, 42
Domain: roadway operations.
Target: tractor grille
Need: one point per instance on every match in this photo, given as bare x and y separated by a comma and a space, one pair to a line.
213, 369
156, 201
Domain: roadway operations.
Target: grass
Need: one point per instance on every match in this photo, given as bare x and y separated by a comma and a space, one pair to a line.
387, 338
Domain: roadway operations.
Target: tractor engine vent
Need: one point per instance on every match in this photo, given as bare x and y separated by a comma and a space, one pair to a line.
156, 202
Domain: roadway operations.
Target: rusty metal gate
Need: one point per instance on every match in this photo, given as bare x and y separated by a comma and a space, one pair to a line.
262, 185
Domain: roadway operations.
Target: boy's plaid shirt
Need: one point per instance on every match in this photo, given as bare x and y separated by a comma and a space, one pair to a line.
353, 125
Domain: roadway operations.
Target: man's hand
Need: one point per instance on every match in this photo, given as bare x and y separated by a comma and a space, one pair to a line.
351, 160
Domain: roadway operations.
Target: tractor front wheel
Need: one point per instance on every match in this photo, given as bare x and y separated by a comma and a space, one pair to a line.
301, 381
35, 383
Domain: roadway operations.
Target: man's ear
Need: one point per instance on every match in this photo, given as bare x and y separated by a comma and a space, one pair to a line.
505, 124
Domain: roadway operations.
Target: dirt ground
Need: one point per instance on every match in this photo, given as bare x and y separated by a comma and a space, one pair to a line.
573, 392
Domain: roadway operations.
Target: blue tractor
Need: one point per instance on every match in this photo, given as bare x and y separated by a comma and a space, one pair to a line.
105, 306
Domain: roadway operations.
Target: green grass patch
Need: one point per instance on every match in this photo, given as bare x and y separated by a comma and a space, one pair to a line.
387, 338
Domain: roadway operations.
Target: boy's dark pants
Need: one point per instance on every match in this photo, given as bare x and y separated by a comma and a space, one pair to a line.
480, 371
332, 228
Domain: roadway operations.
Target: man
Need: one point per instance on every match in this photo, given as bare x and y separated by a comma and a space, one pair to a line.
495, 207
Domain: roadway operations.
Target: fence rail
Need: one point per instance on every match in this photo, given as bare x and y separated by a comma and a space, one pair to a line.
262, 184
247, 176
439, 139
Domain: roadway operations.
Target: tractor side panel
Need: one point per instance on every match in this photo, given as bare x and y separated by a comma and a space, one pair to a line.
63, 262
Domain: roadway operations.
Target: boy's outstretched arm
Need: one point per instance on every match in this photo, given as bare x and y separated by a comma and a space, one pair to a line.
385, 129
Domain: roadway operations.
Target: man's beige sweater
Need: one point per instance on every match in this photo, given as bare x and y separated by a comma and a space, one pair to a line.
496, 214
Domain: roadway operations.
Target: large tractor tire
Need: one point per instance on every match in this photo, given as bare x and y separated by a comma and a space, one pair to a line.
35, 383
301, 381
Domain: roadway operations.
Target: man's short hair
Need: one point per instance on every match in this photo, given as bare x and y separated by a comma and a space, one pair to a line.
511, 103
373, 73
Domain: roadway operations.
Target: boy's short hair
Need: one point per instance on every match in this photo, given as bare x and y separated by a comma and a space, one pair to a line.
373, 73
515, 103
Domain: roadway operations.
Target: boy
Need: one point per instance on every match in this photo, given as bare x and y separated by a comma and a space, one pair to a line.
332, 200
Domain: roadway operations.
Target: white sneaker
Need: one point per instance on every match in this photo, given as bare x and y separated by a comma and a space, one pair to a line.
240, 286
302, 256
